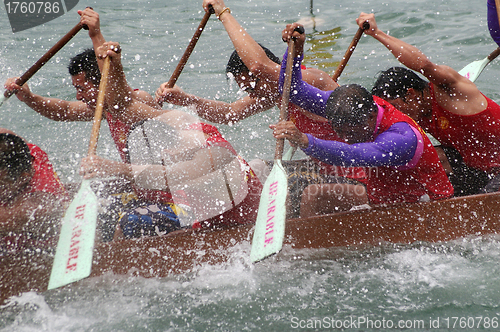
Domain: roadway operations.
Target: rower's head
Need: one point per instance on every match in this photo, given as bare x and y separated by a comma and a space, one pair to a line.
86, 76
15, 166
352, 113
404, 89
244, 78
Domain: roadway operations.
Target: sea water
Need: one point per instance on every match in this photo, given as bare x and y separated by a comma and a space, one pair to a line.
414, 287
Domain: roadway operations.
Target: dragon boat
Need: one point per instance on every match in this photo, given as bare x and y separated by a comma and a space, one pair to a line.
184, 250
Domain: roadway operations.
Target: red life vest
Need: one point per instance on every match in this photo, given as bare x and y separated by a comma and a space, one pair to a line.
476, 137
119, 133
425, 176
45, 178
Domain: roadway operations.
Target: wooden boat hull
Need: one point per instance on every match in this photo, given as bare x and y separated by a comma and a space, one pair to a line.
184, 250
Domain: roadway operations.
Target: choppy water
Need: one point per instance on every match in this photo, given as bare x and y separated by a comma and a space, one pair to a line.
415, 284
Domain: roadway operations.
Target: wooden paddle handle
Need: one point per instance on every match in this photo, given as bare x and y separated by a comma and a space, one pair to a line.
45, 58
94, 136
494, 54
350, 50
285, 99
189, 49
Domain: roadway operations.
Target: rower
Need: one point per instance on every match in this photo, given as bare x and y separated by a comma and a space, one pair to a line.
450, 107
84, 69
404, 167
31, 195
184, 173
256, 71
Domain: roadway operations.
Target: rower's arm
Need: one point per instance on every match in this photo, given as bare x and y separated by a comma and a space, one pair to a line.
52, 108
225, 113
90, 19
394, 147
454, 92
215, 111
61, 110
250, 52
409, 55
204, 161
319, 79
303, 94
36, 212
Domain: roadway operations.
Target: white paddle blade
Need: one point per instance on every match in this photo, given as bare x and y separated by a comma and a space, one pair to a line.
270, 225
2, 99
474, 69
289, 153
74, 252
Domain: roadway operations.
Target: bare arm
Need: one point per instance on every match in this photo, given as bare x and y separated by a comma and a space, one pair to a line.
52, 108
214, 110
224, 113
453, 91
408, 55
37, 212
199, 163
122, 101
250, 52
90, 18
119, 94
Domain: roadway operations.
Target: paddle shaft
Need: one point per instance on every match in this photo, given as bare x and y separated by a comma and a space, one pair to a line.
495, 53
189, 49
350, 50
45, 58
285, 99
74, 252
99, 108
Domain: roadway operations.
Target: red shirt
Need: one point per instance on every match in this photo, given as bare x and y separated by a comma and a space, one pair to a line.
119, 133
45, 178
476, 137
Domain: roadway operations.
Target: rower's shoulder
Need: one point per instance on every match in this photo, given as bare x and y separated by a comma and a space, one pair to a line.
319, 79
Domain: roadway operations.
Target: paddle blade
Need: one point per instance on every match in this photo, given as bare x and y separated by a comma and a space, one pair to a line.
270, 225
2, 99
289, 153
474, 69
73, 258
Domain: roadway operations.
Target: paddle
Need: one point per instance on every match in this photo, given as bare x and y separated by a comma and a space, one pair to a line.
42, 61
270, 225
289, 153
189, 49
474, 69
74, 252
349, 51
